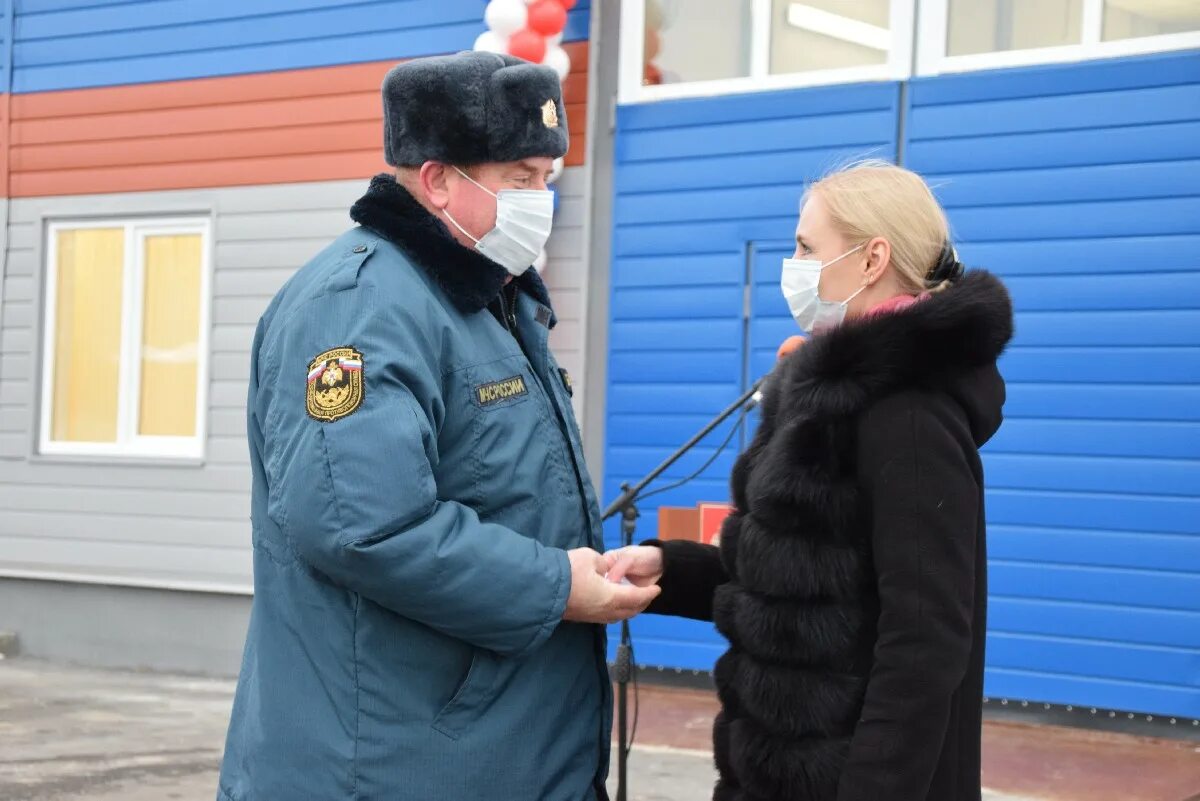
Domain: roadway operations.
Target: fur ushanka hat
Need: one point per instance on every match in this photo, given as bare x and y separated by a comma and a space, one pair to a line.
471, 108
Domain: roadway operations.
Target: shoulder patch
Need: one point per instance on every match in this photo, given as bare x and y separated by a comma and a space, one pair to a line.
335, 384
498, 391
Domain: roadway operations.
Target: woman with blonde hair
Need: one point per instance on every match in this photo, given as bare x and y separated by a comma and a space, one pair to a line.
851, 577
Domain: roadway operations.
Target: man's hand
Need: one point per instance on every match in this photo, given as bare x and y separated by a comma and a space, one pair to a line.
595, 599
641, 564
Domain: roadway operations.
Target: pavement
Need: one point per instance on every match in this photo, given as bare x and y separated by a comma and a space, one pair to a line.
76, 734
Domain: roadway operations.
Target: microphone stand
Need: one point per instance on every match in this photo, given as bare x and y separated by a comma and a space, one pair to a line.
626, 506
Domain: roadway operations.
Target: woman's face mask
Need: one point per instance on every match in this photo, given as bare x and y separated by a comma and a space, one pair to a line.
800, 285
524, 218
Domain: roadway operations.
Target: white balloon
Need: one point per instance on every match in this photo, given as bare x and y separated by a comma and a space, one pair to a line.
506, 17
539, 263
554, 40
557, 59
491, 42
557, 170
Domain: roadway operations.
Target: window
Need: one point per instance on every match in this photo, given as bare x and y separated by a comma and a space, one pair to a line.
829, 34
960, 35
1133, 19
673, 28
992, 27
688, 48
692, 48
125, 338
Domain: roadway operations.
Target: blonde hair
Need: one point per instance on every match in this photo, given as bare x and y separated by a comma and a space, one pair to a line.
874, 198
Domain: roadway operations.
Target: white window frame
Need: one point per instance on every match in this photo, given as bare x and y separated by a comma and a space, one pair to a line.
932, 58
129, 444
633, 27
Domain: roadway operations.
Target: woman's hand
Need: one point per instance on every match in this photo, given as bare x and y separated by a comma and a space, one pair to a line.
641, 564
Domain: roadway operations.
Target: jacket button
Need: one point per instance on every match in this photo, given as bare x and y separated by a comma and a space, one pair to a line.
361, 249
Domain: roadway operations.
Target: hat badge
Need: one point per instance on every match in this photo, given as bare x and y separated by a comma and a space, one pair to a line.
549, 114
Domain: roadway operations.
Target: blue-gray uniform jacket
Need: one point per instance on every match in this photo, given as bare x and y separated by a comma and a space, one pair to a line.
418, 479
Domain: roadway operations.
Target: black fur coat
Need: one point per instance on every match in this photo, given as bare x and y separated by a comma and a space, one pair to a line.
851, 578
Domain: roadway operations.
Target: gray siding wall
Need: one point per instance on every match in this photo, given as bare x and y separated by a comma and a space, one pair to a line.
126, 627
175, 525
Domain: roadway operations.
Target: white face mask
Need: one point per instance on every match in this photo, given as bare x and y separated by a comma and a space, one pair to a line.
800, 285
523, 221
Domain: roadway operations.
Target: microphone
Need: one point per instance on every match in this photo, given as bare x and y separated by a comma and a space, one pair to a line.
789, 346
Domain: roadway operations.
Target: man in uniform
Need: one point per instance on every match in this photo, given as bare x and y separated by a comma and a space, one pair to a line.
429, 597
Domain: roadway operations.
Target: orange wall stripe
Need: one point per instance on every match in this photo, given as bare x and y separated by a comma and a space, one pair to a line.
6, 157
284, 127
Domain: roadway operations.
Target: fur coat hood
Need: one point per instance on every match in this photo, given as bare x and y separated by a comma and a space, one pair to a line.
932, 344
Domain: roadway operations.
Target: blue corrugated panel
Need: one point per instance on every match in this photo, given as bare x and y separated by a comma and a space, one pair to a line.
67, 44
1080, 185
6, 50
707, 194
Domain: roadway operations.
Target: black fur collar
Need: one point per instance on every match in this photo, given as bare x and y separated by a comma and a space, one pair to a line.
470, 279
932, 344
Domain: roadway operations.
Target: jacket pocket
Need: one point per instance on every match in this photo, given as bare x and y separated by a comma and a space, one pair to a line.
473, 696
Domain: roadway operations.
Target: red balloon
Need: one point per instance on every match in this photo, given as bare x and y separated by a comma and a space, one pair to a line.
527, 44
547, 17
567, 4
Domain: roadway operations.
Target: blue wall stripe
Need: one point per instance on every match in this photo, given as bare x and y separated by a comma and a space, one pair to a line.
1154, 589
1082, 255
1106, 219
1094, 510
685, 238
1119, 364
1129, 144
641, 460
1133, 327
1061, 113
702, 205
722, 139
1157, 179
1134, 290
52, 21
1095, 547
1152, 664
1104, 401
1169, 69
1136, 438
6, 44
1093, 474
87, 45
1087, 692
1094, 621
698, 269
756, 107
641, 428
665, 303
719, 172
